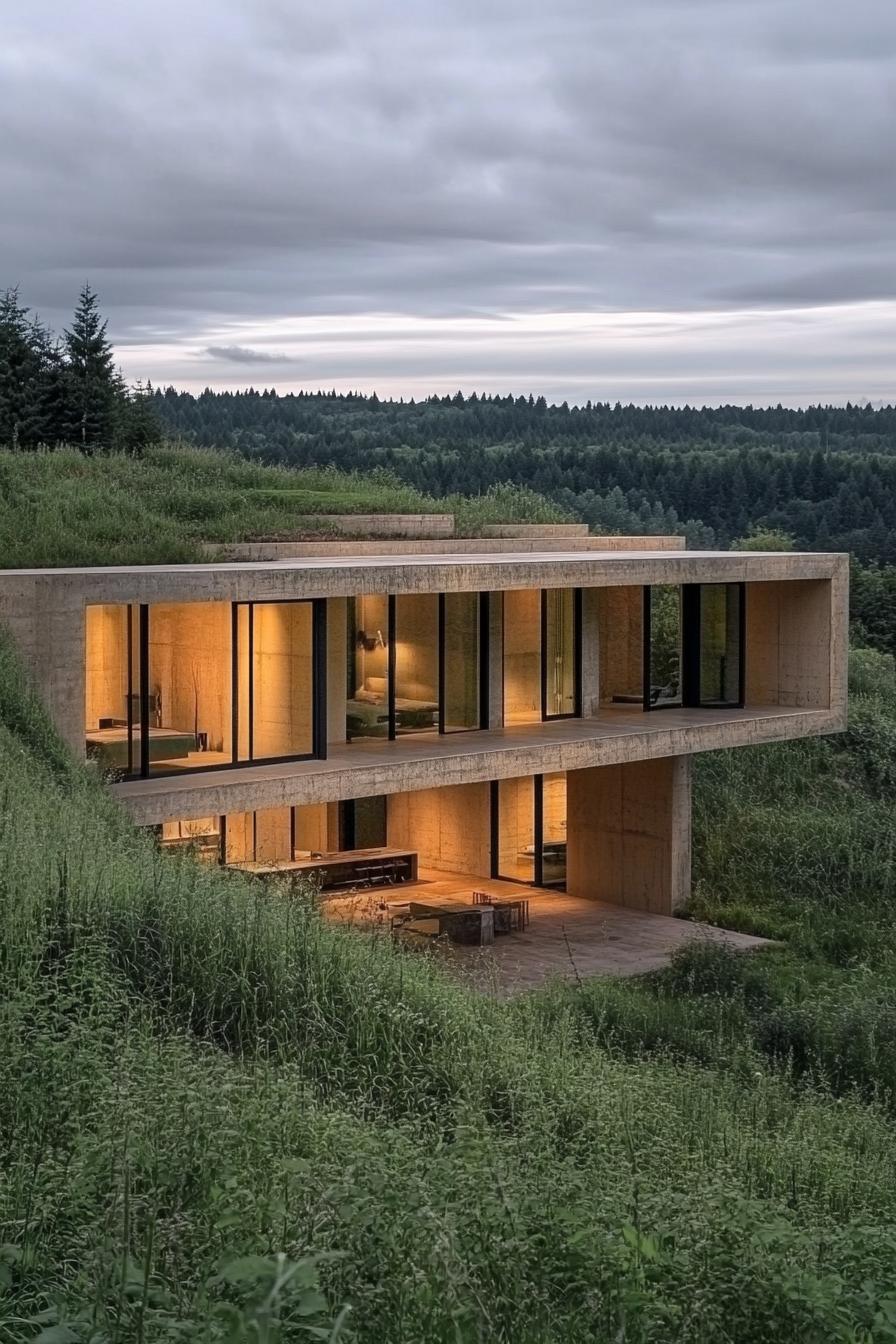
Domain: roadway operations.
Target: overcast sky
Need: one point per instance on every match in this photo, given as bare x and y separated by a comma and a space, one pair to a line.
655, 200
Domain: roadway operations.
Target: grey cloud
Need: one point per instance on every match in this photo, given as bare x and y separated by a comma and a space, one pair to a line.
252, 161
244, 354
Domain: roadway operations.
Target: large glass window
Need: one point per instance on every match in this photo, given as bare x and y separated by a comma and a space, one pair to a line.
189, 707
529, 830
367, 689
112, 705
462, 662
416, 662
560, 653
662, 634
720, 644
516, 829
161, 695
553, 830
276, 680
522, 656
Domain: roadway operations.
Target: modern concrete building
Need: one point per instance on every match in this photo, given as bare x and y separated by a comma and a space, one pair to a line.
509, 710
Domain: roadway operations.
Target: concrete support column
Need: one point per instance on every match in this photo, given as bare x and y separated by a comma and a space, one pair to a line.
590, 653
496, 660
628, 834
337, 617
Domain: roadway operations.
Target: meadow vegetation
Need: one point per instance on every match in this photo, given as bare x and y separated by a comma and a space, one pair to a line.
222, 1118
225, 1119
66, 507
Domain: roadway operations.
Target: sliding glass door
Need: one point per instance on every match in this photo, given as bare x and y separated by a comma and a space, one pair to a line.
662, 646
279, 710
180, 686
529, 830
720, 672
542, 655
417, 663
694, 646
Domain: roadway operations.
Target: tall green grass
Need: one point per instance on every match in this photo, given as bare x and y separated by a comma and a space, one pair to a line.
205, 1089
63, 508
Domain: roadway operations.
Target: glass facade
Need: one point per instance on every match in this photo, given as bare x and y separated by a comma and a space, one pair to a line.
560, 652
275, 661
461, 662
516, 829
368, 667
529, 830
415, 654
720, 644
662, 628
189, 706
199, 685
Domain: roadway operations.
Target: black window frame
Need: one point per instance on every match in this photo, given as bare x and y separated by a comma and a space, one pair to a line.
138, 754
690, 628
538, 834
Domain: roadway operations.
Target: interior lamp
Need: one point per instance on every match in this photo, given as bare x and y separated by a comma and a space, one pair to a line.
370, 642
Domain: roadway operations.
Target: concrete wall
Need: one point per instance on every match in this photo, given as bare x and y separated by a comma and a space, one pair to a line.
620, 616
535, 531
255, 551
449, 828
337, 634
789, 638
628, 834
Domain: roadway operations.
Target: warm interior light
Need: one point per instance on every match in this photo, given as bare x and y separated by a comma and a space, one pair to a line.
370, 642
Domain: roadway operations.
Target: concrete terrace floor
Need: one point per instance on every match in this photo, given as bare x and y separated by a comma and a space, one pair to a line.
567, 936
618, 732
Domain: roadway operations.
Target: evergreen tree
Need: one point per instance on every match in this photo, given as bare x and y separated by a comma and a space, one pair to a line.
94, 388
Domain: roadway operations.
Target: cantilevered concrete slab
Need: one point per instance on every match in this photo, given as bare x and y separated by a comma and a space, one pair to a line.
367, 768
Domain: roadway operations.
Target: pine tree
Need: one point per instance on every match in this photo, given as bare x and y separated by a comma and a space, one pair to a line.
94, 388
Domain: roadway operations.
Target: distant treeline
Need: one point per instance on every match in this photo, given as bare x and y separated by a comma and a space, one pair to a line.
826, 475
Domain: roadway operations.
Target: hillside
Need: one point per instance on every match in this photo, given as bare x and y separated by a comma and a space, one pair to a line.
215, 1104
223, 1119
70, 508
825, 474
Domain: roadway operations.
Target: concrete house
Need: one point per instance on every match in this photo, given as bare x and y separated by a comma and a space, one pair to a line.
516, 710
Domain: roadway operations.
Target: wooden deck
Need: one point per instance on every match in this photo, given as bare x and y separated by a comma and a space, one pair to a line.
567, 937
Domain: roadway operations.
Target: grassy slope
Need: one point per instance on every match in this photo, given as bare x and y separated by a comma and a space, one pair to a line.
197, 1075
63, 508
194, 1071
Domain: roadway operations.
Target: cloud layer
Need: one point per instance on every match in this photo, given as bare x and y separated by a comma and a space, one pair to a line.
414, 194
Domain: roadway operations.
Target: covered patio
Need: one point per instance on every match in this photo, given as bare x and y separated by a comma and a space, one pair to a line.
566, 938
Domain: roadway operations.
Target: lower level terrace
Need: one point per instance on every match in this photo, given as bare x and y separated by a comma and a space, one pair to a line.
565, 937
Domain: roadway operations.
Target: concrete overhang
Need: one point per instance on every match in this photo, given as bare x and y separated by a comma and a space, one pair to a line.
338, 576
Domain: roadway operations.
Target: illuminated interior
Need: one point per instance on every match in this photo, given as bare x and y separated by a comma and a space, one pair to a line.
367, 689
112, 717
462, 654
275, 642
516, 829
189, 680
560, 652
202, 835
522, 656
177, 711
416, 637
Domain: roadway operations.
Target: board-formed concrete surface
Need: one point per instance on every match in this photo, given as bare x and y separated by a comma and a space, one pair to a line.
568, 938
366, 768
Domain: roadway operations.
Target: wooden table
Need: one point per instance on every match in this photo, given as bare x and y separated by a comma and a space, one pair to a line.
349, 867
